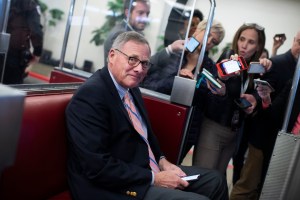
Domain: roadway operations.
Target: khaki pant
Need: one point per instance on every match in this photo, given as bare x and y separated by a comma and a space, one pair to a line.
246, 188
215, 146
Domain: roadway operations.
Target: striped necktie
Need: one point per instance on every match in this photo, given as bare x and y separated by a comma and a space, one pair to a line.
136, 121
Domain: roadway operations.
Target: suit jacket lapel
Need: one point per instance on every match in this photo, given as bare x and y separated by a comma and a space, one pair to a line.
114, 92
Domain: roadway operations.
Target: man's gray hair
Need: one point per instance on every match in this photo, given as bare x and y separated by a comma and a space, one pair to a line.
129, 36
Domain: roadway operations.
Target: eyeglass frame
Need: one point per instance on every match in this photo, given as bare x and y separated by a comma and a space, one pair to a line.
256, 26
138, 61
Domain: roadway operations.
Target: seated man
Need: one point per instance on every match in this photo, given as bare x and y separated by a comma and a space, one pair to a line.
113, 153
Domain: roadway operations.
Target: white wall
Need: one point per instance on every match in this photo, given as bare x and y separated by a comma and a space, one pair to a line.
277, 16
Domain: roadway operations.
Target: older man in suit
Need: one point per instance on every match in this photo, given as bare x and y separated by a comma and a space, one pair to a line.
113, 153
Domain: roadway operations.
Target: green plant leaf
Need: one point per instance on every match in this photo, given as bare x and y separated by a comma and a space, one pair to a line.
43, 6
99, 35
56, 13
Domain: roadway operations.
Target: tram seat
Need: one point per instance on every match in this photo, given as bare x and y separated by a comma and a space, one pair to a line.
39, 171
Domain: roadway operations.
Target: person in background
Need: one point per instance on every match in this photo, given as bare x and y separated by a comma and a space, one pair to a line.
266, 126
161, 77
178, 23
164, 57
135, 20
196, 19
222, 117
278, 41
283, 69
265, 54
113, 153
25, 32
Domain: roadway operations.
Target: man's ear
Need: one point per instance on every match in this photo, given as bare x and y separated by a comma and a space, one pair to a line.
111, 55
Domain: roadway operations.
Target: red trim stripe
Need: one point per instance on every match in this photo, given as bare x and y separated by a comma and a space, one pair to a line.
39, 76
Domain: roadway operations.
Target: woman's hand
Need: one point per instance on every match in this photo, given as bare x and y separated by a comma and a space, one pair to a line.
186, 73
215, 90
252, 100
264, 93
266, 63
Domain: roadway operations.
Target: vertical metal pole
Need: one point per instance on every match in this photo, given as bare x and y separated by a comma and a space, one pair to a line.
292, 97
183, 88
6, 16
80, 33
67, 32
205, 38
4, 38
128, 16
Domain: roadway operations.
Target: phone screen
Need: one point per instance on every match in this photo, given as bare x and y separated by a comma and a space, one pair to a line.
192, 44
191, 178
242, 103
256, 67
231, 66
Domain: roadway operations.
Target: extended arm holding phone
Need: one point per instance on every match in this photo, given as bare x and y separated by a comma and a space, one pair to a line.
278, 41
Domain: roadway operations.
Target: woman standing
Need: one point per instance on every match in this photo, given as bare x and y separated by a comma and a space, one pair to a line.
222, 117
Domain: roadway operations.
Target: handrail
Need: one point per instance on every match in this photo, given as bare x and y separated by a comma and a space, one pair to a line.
66, 37
41, 89
6, 16
205, 38
292, 95
183, 88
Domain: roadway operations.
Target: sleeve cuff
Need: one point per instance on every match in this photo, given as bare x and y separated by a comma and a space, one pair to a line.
152, 181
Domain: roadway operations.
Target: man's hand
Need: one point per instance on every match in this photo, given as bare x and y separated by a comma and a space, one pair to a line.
165, 165
177, 45
169, 179
169, 176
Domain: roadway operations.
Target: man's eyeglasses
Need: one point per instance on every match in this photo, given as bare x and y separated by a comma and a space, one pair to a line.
254, 25
132, 61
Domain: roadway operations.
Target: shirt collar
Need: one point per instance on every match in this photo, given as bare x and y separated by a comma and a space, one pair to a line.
121, 90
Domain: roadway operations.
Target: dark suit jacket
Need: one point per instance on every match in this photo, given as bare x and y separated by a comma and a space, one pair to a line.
108, 159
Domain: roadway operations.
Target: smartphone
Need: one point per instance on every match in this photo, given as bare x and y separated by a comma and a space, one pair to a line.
211, 78
242, 103
256, 68
278, 36
191, 178
228, 67
263, 82
192, 44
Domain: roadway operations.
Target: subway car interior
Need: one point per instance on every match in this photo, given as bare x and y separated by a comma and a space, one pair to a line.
33, 131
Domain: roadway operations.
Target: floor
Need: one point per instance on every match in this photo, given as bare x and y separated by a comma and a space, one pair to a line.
45, 70
38, 74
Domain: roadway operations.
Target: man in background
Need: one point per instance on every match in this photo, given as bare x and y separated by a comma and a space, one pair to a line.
25, 30
135, 19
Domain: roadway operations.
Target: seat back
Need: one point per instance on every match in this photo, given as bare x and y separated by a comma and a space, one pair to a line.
39, 171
